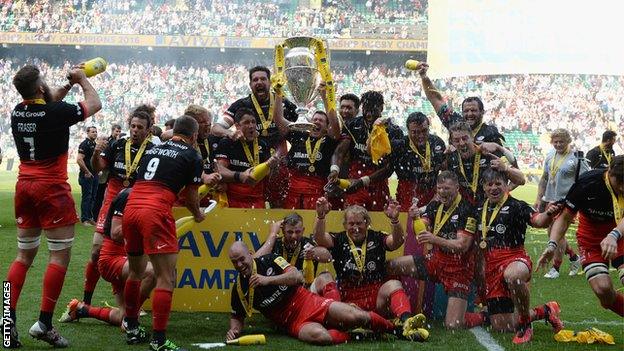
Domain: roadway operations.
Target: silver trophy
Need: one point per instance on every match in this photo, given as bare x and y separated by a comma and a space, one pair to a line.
302, 77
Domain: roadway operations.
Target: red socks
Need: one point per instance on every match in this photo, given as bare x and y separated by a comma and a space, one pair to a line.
472, 319
379, 323
338, 337
161, 306
540, 313
618, 305
99, 313
17, 276
330, 291
399, 303
557, 264
52, 285
92, 275
132, 297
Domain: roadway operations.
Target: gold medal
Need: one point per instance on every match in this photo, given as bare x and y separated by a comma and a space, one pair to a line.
483, 244
126, 183
311, 169
265, 132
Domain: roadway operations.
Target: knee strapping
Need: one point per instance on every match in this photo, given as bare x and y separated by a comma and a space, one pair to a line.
59, 244
28, 243
593, 270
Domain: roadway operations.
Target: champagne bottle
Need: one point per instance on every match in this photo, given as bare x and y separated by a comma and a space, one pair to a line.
308, 267
254, 339
411, 64
95, 66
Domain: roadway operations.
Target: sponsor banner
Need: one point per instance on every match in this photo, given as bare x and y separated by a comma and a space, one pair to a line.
205, 276
196, 41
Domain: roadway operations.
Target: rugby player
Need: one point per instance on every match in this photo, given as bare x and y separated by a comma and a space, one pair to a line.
241, 156
598, 197
43, 201
359, 255
272, 286
502, 223
149, 228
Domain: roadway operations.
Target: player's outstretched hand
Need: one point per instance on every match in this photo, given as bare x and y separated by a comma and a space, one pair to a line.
545, 258
322, 207
392, 209
414, 211
422, 68
554, 209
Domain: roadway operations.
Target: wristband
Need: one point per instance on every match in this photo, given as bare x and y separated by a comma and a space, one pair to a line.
394, 221
615, 233
320, 218
237, 176
552, 244
334, 168
365, 180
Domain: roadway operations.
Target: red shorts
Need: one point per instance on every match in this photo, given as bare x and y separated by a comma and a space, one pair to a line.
111, 262
44, 205
112, 189
364, 296
456, 275
148, 231
303, 191
277, 186
407, 190
496, 261
304, 307
592, 253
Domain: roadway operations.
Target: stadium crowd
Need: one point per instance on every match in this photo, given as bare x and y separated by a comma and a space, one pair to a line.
526, 105
242, 18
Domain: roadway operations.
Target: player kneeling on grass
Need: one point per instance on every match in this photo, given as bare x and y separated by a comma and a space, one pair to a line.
293, 246
114, 268
359, 255
450, 255
272, 286
502, 223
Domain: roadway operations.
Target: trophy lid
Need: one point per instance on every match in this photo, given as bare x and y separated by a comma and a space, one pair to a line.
302, 41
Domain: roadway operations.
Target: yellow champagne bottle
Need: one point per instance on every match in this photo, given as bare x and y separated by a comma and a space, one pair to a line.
308, 267
95, 66
254, 339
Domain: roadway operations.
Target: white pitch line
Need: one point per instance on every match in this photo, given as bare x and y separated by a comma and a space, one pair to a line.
595, 322
486, 340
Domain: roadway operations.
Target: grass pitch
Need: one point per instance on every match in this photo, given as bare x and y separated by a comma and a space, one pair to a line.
580, 309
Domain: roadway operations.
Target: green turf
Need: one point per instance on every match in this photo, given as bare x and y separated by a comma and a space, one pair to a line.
578, 303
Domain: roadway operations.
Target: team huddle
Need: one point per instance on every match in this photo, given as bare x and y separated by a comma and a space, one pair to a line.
457, 197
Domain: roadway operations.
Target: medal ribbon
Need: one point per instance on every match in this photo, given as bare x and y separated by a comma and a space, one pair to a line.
255, 160
618, 201
131, 165
476, 130
475, 170
247, 303
425, 160
34, 102
484, 228
606, 154
554, 167
263, 120
360, 258
441, 220
295, 255
207, 150
312, 153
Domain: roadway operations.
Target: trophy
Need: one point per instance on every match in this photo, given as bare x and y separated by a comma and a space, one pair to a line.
302, 67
